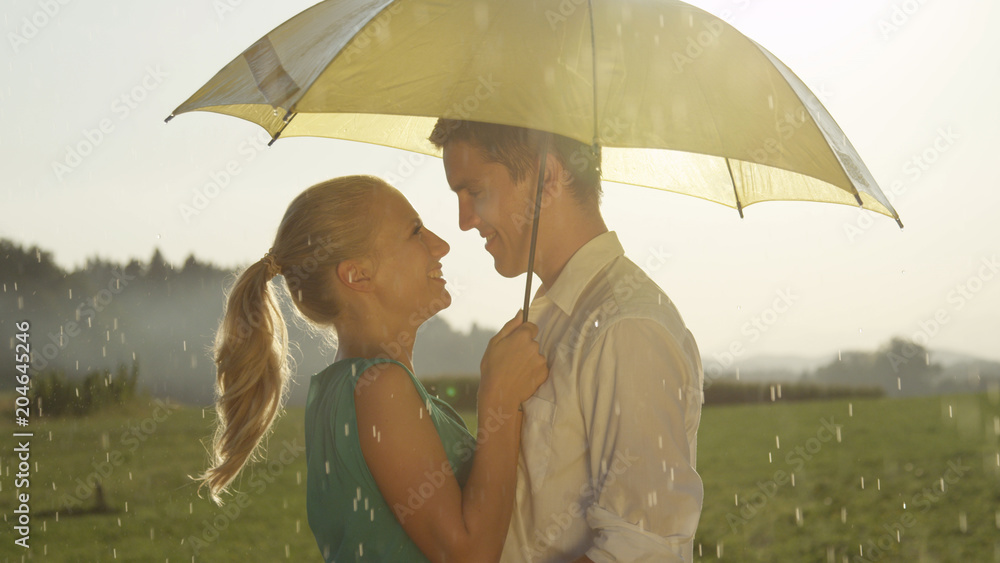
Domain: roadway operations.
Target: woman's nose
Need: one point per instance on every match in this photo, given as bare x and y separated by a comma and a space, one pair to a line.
438, 246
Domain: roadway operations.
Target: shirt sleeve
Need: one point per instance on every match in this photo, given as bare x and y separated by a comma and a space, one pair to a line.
640, 394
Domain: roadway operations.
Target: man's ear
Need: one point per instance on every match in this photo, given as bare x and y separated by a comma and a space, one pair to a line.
557, 177
356, 274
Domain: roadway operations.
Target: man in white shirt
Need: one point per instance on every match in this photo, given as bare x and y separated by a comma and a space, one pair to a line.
607, 465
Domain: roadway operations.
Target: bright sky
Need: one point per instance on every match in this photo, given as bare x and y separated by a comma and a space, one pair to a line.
913, 84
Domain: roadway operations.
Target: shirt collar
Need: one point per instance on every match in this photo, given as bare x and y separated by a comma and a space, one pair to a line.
582, 267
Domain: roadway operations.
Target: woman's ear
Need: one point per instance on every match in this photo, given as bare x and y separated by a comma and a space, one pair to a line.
356, 274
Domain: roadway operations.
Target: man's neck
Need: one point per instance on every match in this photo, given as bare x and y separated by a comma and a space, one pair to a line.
563, 244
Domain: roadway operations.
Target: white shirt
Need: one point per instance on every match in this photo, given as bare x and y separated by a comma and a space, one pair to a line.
607, 462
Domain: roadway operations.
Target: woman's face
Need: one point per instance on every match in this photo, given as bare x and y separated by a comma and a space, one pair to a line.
407, 274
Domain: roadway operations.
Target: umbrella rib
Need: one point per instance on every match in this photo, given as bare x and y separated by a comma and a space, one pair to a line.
736, 195
593, 67
289, 116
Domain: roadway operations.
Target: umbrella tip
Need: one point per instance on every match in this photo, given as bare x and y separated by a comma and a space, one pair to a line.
900, 223
169, 117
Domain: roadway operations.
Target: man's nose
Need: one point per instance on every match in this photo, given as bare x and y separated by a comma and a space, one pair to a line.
467, 217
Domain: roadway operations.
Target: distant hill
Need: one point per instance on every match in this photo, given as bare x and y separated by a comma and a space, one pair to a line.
165, 316
776, 368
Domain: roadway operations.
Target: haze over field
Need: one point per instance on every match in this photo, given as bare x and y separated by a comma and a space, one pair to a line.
92, 170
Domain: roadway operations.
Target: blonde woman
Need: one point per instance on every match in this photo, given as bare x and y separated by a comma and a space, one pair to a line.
393, 473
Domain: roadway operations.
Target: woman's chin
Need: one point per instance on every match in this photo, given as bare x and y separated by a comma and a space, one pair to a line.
441, 303
438, 304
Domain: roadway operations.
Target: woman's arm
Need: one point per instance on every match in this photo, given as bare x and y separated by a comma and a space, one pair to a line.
405, 455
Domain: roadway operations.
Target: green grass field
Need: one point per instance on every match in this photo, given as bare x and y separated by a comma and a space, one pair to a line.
938, 456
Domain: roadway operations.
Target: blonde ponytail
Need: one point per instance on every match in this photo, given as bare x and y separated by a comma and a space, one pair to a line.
325, 225
251, 351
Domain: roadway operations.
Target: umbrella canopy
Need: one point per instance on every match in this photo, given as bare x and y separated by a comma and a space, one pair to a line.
676, 98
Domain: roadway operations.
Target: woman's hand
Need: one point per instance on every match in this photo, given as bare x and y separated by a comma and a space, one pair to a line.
512, 367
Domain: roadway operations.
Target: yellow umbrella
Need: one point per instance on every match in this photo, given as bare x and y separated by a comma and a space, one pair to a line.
676, 98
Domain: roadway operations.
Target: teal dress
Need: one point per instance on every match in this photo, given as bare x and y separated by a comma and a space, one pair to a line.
347, 514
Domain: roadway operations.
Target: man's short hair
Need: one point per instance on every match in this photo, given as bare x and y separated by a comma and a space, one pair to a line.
516, 148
